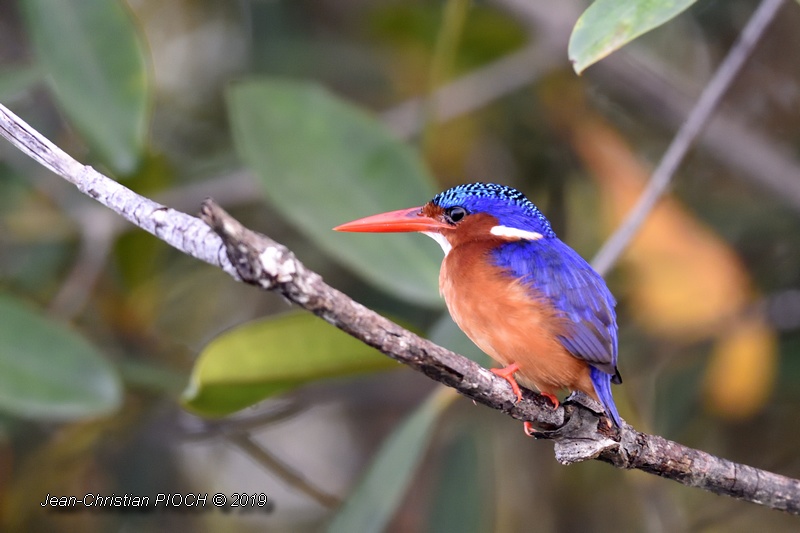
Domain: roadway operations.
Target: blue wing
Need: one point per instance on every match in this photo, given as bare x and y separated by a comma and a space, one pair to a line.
557, 272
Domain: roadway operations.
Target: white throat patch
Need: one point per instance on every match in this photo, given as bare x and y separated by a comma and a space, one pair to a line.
515, 233
441, 239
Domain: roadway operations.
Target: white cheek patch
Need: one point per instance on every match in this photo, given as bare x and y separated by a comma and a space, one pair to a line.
441, 239
515, 233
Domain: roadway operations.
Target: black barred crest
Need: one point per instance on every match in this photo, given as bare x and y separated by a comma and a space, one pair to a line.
510, 206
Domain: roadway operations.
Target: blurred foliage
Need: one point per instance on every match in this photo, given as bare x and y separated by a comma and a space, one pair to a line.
94, 61
274, 108
307, 136
50, 372
268, 357
374, 502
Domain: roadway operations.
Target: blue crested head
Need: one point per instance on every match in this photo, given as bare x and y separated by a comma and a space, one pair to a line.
508, 205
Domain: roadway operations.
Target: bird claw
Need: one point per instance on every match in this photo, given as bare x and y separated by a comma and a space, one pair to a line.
528, 426
553, 399
529, 430
507, 373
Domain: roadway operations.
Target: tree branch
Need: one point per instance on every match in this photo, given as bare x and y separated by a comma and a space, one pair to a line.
578, 432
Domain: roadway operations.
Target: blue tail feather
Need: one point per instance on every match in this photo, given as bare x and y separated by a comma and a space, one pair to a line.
602, 386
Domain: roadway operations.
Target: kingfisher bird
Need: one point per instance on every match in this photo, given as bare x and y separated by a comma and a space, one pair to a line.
519, 293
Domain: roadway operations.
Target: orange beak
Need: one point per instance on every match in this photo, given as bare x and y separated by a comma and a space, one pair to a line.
404, 220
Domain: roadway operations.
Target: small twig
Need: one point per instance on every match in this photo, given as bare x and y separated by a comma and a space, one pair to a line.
237, 430
471, 91
753, 155
245, 442
195, 428
97, 232
688, 132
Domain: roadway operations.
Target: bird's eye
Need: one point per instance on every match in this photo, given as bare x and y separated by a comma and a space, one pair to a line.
454, 214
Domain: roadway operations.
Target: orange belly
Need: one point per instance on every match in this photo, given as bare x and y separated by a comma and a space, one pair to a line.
500, 316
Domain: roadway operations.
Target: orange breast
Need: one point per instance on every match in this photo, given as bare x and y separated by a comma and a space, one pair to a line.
503, 318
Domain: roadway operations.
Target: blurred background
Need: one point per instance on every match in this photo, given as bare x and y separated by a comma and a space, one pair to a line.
297, 116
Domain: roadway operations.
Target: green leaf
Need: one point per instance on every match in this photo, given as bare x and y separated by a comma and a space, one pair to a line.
462, 500
608, 25
323, 162
270, 356
49, 372
374, 501
95, 62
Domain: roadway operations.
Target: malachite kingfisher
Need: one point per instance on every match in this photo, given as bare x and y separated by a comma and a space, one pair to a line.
519, 293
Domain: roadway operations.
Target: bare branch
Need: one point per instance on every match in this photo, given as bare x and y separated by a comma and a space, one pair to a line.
99, 228
472, 91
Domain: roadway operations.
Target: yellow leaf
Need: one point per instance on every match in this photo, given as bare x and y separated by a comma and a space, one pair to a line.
741, 371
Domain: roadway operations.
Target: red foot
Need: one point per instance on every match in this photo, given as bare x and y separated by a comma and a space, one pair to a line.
507, 373
527, 426
552, 399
